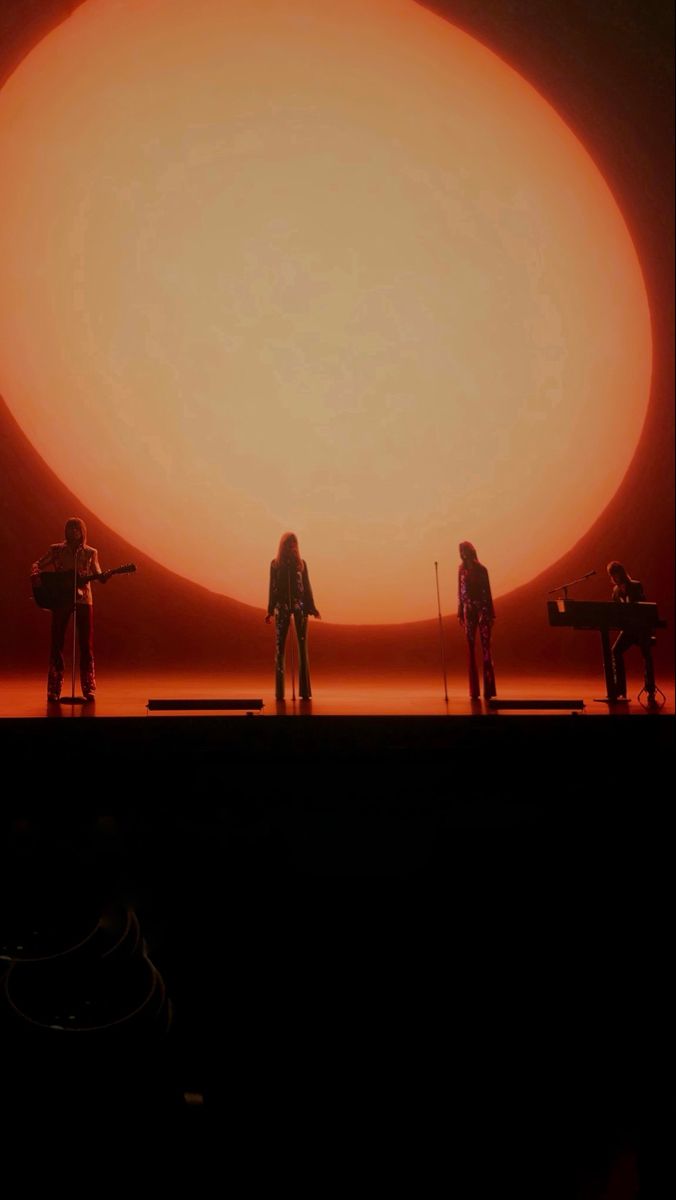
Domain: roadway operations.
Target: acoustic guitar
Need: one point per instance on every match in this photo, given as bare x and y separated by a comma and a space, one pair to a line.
54, 589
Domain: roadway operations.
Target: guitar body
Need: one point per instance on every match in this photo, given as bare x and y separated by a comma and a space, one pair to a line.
54, 589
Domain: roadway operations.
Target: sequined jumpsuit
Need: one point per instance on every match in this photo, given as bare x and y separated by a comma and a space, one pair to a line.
476, 611
291, 593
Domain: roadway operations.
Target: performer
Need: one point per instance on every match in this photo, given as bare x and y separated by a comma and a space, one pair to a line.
290, 593
630, 591
476, 611
69, 555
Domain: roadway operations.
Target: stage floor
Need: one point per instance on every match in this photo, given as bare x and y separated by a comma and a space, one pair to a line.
126, 695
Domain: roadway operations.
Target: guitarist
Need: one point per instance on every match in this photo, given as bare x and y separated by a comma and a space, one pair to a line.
71, 554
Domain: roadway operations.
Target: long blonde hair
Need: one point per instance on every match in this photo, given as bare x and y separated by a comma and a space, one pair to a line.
289, 551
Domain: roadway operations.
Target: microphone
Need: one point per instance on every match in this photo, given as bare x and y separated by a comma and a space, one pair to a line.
563, 587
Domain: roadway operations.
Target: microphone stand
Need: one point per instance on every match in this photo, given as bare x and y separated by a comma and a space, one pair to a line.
563, 587
441, 634
292, 634
73, 699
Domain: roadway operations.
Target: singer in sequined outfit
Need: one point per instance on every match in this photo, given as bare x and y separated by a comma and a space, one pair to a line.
290, 595
476, 611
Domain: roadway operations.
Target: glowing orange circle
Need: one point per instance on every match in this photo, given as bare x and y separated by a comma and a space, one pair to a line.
330, 267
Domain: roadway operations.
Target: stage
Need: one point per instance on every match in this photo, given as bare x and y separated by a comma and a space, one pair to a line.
126, 695
390, 737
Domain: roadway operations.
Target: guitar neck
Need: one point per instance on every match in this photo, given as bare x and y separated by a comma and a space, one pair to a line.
125, 570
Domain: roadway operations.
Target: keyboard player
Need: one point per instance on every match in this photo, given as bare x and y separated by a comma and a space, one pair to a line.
630, 591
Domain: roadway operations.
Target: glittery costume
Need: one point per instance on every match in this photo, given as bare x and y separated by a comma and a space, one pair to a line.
476, 611
291, 593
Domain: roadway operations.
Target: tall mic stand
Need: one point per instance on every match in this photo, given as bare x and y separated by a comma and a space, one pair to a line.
73, 699
563, 587
292, 634
441, 634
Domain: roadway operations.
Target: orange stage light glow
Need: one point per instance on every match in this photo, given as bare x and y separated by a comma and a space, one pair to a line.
331, 267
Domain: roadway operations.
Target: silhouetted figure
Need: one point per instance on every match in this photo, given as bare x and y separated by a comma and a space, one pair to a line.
630, 591
476, 611
68, 556
290, 594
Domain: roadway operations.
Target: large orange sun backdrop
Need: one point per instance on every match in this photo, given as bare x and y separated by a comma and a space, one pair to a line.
331, 267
